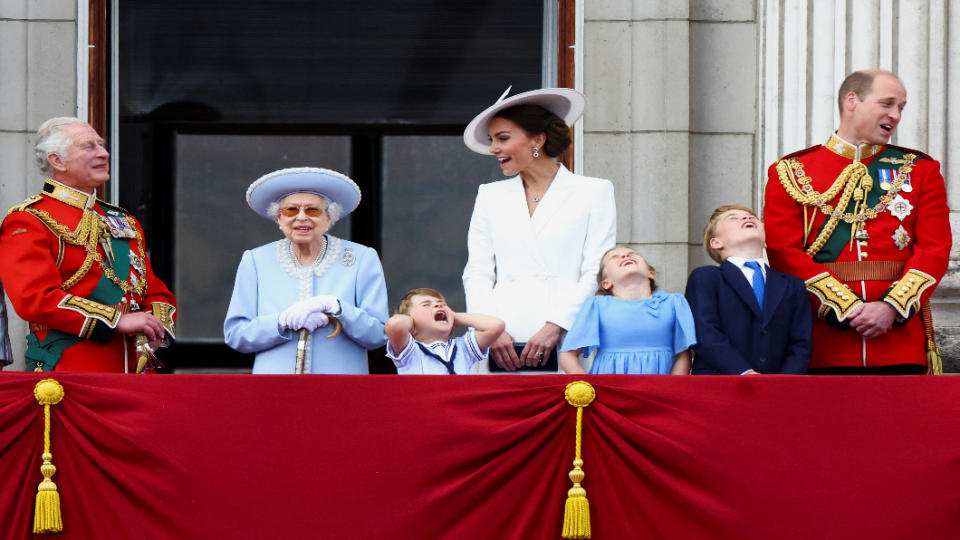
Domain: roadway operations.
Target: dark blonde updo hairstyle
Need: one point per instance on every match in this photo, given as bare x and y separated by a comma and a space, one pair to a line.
600, 276
534, 120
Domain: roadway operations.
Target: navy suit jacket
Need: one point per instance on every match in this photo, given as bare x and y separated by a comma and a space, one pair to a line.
734, 335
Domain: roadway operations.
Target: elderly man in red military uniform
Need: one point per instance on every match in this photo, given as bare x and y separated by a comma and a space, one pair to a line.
865, 225
76, 268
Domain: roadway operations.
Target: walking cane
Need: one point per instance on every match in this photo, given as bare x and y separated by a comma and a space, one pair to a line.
302, 342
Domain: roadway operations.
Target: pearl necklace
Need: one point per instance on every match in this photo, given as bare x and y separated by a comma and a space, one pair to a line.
320, 254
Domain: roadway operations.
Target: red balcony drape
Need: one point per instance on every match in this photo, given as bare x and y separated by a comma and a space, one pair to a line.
242, 456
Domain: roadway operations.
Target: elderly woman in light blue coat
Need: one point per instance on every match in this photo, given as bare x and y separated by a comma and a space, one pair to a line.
307, 279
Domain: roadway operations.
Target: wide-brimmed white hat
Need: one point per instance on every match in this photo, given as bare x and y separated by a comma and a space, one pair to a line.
274, 186
563, 102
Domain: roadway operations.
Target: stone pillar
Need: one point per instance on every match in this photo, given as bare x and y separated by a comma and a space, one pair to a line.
38, 52
723, 113
671, 118
637, 123
807, 47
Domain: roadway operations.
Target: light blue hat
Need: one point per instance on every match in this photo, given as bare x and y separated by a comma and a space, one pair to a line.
274, 186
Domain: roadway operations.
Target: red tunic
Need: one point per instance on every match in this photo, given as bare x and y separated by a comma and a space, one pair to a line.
910, 230
48, 277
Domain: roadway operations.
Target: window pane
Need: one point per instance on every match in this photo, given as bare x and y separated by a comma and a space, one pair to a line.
429, 185
325, 61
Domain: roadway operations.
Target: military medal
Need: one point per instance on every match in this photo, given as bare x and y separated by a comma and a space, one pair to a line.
886, 178
907, 187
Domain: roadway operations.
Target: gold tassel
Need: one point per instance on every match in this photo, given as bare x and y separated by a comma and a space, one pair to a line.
576, 513
934, 358
46, 517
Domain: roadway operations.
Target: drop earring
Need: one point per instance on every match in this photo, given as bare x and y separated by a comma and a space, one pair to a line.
536, 152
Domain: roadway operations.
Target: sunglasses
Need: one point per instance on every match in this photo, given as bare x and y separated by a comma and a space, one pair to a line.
294, 211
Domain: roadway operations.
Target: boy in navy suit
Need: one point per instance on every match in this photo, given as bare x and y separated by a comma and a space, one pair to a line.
750, 319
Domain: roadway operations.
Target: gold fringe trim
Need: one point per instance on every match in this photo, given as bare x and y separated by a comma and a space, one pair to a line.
934, 358
88, 234
576, 513
46, 517
854, 181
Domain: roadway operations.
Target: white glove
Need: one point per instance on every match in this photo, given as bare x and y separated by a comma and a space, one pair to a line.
324, 303
315, 320
295, 317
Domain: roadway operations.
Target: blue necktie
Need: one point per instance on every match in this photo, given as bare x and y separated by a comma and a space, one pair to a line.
757, 281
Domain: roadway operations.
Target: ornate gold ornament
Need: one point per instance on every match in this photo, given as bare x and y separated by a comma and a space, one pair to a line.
853, 182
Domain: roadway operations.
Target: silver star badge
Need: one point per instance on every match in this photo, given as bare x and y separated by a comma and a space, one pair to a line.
900, 207
901, 238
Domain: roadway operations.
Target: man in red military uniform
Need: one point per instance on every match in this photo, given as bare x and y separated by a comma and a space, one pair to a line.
76, 268
865, 225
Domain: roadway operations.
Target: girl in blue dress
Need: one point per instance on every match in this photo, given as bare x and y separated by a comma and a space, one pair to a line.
636, 329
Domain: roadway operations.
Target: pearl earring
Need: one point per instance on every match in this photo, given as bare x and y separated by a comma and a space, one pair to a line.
536, 152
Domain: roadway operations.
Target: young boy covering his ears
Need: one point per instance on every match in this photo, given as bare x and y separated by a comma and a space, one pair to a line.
418, 336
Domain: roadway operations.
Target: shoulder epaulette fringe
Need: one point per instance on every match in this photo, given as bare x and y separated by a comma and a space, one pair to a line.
21, 206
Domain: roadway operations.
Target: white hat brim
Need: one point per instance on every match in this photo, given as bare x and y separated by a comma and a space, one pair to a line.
274, 186
563, 102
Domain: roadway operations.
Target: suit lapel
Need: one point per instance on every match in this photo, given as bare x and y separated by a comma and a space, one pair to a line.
525, 226
738, 282
561, 189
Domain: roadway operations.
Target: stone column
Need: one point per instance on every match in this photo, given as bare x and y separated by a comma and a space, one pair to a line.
671, 118
38, 52
637, 123
723, 113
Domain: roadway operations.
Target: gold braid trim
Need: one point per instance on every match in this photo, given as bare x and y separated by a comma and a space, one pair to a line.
90, 309
87, 235
801, 191
164, 312
905, 294
833, 294
833, 221
789, 169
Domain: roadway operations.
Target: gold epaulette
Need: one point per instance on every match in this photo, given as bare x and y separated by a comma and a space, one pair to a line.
834, 294
905, 294
23, 205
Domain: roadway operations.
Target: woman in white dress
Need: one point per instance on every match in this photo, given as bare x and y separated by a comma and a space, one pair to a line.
536, 238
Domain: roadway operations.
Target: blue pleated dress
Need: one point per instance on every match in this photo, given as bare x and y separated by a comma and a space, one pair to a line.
634, 336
